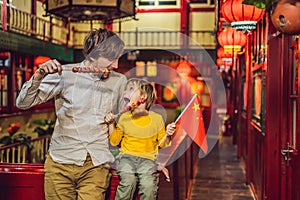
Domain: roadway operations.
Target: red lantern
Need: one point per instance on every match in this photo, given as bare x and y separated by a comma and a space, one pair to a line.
40, 60
224, 62
285, 17
241, 16
220, 62
4, 55
198, 87
184, 68
232, 40
222, 54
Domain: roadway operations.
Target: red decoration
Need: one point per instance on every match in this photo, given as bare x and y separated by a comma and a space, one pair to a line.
191, 121
184, 68
220, 62
198, 87
242, 16
222, 54
285, 17
232, 40
40, 60
224, 62
4, 55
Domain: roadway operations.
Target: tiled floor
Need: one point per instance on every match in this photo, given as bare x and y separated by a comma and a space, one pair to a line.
220, 175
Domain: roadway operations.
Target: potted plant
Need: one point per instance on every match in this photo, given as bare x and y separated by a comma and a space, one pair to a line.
44, 127
15, 138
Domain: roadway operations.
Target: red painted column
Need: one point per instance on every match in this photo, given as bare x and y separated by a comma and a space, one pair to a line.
184, 22
4, 15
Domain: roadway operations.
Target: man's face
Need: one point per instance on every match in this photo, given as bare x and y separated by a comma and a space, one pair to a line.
105, 63
131, 94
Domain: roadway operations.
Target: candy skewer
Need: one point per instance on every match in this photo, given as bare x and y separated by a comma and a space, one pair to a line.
132, 106
85, 69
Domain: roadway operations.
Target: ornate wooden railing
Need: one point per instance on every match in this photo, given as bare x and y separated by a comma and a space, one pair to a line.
22, 153
57, 31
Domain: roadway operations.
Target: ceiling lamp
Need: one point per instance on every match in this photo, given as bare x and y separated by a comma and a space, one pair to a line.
83, 10
241, 16
232, 40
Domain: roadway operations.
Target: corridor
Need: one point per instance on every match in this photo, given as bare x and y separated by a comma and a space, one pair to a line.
220, 175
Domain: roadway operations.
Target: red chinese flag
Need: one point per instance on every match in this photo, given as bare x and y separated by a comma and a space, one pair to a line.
191, 121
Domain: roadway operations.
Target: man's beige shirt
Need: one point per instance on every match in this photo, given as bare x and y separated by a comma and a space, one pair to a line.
82, 101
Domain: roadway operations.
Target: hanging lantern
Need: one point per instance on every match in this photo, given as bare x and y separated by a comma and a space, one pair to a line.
4, 55
285, 17
198, 87
241, 16
85, 10
232, 40
224, 62
222, 54
220, 62
184, 68
40, 60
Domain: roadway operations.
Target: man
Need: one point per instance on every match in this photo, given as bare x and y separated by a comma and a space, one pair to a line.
77, 163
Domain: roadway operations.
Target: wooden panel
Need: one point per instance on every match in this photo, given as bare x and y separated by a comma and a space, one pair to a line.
257, 161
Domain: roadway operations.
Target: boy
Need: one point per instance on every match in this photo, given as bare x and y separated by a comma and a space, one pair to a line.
139, 132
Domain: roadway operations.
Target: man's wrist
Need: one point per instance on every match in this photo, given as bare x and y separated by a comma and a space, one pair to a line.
39, 74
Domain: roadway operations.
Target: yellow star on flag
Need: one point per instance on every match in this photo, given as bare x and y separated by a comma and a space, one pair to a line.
196, 107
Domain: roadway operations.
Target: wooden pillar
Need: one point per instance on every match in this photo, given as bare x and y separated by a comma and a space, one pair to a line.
4, 15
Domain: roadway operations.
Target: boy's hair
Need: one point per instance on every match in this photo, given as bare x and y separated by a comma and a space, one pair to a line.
102, 43
145, 88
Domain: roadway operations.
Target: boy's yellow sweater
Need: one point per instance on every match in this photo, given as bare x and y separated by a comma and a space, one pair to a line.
139, 135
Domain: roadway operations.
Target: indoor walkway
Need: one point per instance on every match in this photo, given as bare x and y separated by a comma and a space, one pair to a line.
220, 175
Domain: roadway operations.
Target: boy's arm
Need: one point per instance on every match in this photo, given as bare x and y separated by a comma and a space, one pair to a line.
115, 134
166, 140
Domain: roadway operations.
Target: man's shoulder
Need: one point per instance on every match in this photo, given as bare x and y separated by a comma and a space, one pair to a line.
117, 78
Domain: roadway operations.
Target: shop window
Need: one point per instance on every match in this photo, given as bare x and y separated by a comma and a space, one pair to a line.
4, 71
3, 89
158, 3
15, 70
203, 2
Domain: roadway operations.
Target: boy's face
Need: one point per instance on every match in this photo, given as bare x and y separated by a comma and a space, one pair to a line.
131, 94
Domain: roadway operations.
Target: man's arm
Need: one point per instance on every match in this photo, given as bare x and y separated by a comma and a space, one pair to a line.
36, 91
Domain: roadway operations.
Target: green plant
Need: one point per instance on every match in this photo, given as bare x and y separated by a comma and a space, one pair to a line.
13, 138
263, 4
44, 127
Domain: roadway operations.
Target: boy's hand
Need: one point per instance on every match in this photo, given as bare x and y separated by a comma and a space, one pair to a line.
171, 128
165, 171
110, 118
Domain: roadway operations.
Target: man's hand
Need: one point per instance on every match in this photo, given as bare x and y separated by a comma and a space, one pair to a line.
49, 67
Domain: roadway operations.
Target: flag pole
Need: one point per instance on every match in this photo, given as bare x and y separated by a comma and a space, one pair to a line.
165, 137
195, 95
